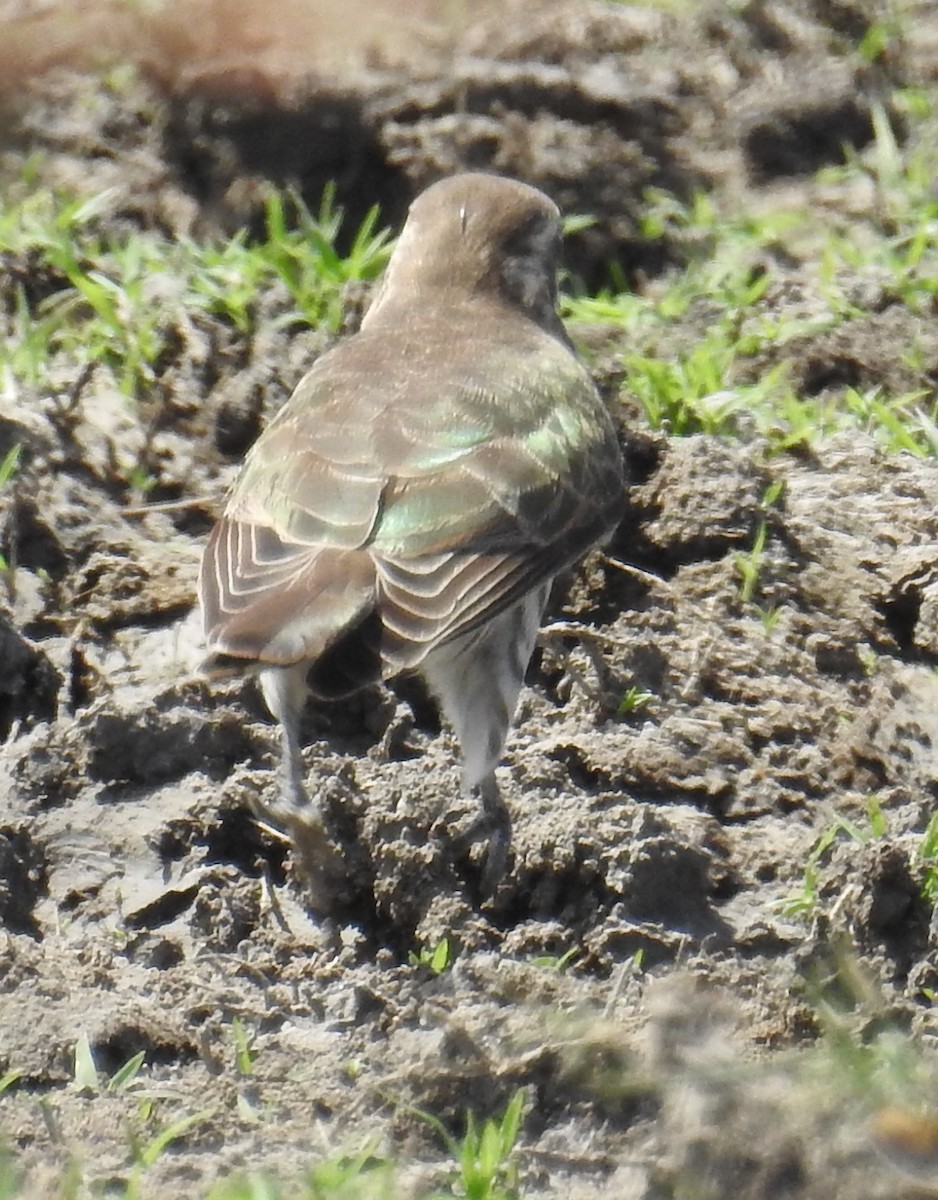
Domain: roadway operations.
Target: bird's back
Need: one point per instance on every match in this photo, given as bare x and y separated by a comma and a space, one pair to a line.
428, 472
424, 475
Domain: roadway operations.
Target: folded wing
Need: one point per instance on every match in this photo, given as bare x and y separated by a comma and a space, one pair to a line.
384, 513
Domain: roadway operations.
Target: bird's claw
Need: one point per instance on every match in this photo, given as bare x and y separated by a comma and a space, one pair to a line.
319, 862
490, 830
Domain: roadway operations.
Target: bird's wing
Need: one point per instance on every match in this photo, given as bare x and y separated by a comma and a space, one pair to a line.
282, 573
468, 527
268, 598
439, 495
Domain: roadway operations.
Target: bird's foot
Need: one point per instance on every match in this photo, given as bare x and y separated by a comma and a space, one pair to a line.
490, 831
394, 739
319, 861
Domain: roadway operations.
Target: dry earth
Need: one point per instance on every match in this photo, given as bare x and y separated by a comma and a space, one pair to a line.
139, 900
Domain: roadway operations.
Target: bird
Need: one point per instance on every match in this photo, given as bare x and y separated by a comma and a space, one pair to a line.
410, 506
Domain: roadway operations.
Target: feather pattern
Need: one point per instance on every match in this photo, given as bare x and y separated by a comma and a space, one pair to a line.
440, 497
411, 504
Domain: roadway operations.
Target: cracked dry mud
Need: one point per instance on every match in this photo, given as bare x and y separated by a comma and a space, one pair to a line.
141, 903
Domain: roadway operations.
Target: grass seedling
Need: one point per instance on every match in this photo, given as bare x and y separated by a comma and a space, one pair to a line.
124, 1076
10, 463
247, 1187
927, 858
556, 962
877, 819
8, 469
358, 1176
634, 700
147, 1155
807, 900
900, 424
749, 564
85, 1075
768, 616
361, 1175
122, 302
688, 395
878, 38
10, 1179
140, 482
304, 254
435, 958
245, 1054
865, 1057
486, 1168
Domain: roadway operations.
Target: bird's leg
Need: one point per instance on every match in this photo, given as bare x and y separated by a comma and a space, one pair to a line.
295, 813
476, 680
480, 721
491, 825
294, 797
496, 818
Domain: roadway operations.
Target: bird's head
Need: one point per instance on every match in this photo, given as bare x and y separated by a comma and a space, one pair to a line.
477, 235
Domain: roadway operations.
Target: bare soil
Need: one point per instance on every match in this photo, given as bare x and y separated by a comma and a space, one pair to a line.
140, 901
